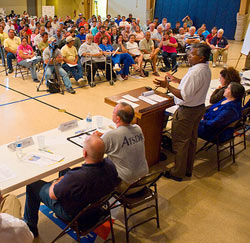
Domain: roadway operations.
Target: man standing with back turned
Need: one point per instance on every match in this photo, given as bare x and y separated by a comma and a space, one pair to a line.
190, 97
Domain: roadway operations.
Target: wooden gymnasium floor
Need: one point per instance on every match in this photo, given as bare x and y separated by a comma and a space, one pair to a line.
211, 207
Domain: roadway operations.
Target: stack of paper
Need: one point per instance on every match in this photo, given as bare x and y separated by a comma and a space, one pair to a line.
42, 158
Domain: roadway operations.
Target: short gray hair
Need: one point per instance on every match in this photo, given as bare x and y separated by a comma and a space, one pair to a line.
221, 31
203, 50
89, 35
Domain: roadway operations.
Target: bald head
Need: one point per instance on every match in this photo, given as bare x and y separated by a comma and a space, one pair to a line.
123, 114
94, 149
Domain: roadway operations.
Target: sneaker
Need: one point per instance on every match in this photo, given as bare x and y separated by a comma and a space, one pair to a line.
120, 78
81, 82
70, 90
214, 65
11, 70
156, 74
225, 65
116, 68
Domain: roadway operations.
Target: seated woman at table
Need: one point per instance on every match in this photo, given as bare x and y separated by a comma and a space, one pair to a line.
134, 51
119, 57
227, 75
221, 114
25, 52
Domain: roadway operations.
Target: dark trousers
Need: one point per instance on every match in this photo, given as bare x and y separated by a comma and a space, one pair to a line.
184, 138
172, 56
76, 71
35, 194
10, 56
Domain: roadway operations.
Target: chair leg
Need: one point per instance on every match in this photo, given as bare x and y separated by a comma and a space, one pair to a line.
233, 151
218, 157
126, 223
112, 230
157, 213
244, 137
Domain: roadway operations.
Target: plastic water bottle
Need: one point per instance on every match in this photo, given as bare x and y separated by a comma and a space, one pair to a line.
89, 121
19, 151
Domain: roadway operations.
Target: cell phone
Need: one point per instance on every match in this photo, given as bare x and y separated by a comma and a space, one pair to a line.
148, 88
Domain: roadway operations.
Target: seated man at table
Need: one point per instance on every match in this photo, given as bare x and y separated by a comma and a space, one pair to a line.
124, 146
12, 228
80, 186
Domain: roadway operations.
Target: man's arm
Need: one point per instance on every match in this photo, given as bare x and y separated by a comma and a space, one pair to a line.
51, 189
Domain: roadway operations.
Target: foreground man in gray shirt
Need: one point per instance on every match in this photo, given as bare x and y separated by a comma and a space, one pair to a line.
124, 146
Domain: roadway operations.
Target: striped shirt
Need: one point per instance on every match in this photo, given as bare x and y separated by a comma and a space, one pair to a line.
190, 37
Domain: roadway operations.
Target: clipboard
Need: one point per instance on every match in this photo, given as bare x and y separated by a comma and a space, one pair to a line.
73, 139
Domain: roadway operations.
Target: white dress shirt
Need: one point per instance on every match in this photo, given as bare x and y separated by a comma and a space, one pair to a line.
14, 230
194, 85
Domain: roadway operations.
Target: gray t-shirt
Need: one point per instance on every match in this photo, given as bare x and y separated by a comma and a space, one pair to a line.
124, 146
47, 51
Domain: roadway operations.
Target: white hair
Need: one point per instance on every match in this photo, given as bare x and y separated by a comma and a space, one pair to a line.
89, 35
221, 31
193, 28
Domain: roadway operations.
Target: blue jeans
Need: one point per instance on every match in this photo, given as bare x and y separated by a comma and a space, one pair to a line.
76, 71
49, 75
2, 55
31, 66
10, 56
172, 56
35, 194
126, 60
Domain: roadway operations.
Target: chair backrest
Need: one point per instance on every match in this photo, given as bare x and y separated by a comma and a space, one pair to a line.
245, 112
95, 205
147, 180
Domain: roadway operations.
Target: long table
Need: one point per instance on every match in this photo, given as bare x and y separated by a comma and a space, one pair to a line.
56, 141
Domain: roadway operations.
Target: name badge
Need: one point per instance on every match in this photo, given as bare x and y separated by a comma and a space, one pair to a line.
68, 125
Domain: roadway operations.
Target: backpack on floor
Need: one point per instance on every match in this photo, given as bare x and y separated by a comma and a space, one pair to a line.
53, 86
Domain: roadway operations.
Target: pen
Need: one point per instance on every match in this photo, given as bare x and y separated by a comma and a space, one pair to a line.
80, 131
48, 151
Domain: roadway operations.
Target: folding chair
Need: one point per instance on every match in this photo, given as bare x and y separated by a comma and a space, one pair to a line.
146, 194
21, 69
89, 218
229, 142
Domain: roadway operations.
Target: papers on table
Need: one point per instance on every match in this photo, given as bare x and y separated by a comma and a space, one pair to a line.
130, 97
6, 173
134, 105
147, 100
156, 98
79, 139
42, 158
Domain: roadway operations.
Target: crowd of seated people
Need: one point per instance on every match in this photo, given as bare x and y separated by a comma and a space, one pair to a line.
136, 45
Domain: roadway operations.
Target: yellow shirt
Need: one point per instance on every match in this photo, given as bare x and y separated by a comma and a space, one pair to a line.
69, 53
12, 43
3, 37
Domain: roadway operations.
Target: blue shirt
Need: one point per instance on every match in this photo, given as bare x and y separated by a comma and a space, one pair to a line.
81, 37
86, 184
118, 21
108, 47
222, 42
94, 31
217, 117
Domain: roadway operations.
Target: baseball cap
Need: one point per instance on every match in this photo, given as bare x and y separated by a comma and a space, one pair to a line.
69, 39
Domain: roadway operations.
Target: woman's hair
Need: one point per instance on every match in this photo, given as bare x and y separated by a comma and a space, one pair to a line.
118, 38
131, 36
24, 37
230, 75
237, 90
46, 24
102, 38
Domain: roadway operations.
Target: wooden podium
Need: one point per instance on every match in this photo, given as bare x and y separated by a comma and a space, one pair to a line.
150, 118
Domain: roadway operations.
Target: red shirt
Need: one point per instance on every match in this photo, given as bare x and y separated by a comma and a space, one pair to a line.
29, 32
210, 37
98, 37
82, 23
170, 49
